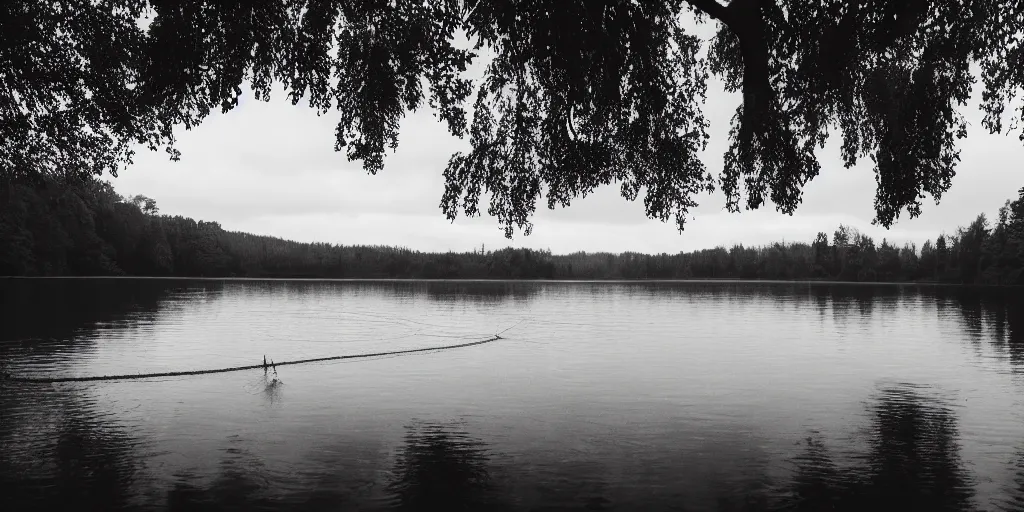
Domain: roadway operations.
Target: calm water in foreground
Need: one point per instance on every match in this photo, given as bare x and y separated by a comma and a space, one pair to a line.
641, 396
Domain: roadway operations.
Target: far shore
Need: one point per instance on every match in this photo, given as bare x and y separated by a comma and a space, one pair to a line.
512, 279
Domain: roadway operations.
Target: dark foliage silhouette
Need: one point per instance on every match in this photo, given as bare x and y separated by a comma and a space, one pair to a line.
575, 95
83, 227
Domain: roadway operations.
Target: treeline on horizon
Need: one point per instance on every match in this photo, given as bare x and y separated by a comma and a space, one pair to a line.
75, 227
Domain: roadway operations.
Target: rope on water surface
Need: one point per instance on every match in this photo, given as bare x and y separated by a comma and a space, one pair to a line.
248, 367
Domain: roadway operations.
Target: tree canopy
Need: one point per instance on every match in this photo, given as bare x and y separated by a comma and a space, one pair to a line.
575, 94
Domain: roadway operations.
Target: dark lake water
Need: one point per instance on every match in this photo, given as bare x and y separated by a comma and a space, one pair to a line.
603, 396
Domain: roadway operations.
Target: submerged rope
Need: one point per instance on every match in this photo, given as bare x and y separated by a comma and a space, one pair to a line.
242, 368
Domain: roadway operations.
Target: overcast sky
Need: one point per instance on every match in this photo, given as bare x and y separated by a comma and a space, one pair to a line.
270, 168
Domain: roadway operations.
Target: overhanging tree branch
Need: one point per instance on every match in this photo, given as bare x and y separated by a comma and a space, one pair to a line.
711, 8
890, 74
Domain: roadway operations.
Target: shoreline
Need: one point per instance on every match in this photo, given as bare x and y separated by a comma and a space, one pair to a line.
514, 280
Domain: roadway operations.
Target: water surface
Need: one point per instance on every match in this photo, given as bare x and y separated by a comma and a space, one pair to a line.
602, 396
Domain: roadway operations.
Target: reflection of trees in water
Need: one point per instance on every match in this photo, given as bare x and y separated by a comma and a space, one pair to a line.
441, 467
994, 314
914, 459
821, 299
244, 482
972, 308
862, 299
41, 318
81, 463
239, 485
1010, 321
841, 300
478, 291
912, 463
1015, 494
817, 483
56, 311
445, 291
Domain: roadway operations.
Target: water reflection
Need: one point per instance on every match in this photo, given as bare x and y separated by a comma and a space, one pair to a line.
81, 461
442, 467
39, 315
61, 447
240, 484
480, 291
818, 483
49, 324
330, 477
438, 467
56, 310
907, 459
1015, 494
992, 314
913, 461
1013, 319
847, 301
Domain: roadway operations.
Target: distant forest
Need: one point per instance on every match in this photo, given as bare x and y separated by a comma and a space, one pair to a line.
75, 227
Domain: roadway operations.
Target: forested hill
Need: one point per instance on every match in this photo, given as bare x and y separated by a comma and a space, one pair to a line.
85, 228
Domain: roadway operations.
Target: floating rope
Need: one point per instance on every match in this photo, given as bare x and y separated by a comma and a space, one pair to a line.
265, 365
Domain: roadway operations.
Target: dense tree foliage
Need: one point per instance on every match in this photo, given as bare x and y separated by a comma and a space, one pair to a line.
575, 94
84, 227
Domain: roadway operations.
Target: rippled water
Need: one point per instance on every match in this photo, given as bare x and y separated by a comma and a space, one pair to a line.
602, 396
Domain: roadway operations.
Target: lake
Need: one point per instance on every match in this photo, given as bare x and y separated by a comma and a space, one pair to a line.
600, 396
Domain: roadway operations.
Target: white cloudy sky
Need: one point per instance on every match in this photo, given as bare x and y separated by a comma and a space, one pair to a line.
270, 168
